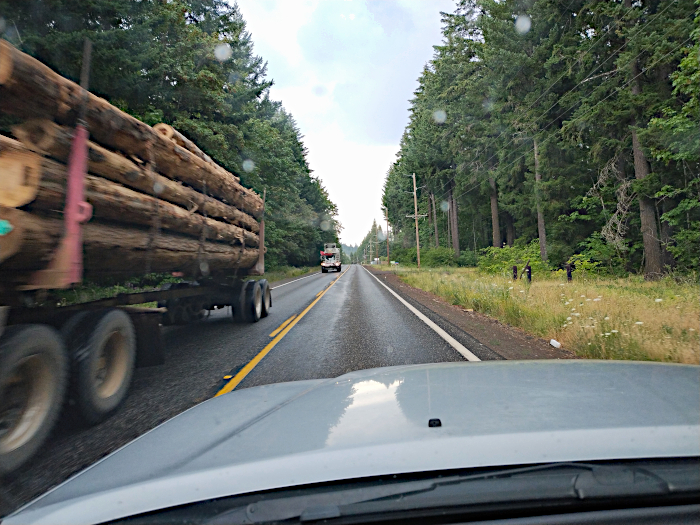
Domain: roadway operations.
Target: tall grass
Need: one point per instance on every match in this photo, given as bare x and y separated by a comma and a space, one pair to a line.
601, 318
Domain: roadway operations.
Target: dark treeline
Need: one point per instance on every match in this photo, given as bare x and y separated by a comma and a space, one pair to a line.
189, 63
569, 124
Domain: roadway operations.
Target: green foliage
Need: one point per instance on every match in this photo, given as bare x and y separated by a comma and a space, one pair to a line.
157, 61
467, 259
577, 83
437, 257
501, 260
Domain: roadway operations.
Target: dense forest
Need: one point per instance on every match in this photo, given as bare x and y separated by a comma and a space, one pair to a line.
566, 127
191, 64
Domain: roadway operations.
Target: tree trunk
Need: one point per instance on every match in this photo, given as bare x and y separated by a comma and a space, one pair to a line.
46, 137
113, 250
653, 266
455, 224
510, 229
647, 213
113, 202
495, 225
29, 89
435, 224
538, 200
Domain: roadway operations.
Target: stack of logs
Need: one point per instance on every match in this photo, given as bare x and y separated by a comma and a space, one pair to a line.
159, 203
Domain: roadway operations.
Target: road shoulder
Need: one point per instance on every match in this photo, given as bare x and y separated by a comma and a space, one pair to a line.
505, 341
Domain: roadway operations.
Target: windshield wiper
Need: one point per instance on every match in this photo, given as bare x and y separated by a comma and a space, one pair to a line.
550, 482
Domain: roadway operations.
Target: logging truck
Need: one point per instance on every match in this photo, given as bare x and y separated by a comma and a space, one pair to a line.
89, 192
330, 258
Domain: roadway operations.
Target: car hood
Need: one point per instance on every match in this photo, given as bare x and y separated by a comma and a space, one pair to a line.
375, 422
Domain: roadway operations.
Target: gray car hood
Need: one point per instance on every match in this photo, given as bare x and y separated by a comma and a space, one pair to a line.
375, 422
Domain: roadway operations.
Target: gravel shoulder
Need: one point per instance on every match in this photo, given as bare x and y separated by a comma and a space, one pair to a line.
494, 337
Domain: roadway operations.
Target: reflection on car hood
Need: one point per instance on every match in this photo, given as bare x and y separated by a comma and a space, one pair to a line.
375, 422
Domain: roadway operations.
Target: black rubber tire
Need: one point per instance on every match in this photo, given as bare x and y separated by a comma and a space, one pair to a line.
324, 270
339, 267
251, 307
86, 343
266, 294
25, 346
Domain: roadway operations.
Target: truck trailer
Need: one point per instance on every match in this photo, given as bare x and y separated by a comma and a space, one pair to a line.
88, 192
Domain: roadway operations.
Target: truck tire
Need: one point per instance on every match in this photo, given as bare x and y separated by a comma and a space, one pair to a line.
339, 267
266, 297
33, 382
103, 349
324, 270
250, 303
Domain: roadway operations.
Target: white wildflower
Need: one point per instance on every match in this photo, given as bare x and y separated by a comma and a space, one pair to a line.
658, 300
639, 322
606, 318
614, 331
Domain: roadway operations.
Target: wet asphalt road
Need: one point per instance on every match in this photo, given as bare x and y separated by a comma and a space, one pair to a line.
357, 324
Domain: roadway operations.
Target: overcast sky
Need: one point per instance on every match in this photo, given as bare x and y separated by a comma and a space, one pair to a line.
346, 70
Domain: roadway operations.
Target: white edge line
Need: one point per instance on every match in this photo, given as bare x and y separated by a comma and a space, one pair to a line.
447, 337
295, 280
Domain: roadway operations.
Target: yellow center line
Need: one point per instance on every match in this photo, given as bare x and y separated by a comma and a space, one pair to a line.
247, 369
280, 327
319, 293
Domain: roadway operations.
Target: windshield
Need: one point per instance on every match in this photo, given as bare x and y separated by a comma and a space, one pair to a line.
311, 241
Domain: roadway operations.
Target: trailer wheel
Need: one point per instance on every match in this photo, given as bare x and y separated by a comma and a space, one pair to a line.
103, 345
266, 297
324, 270
250, 308
33, 379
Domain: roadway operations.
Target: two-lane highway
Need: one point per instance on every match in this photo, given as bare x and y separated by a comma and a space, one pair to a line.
320, 326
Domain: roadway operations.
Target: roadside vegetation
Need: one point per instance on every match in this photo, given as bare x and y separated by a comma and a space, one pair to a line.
598, 317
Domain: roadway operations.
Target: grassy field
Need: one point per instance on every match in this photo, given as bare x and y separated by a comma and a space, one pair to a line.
600, 318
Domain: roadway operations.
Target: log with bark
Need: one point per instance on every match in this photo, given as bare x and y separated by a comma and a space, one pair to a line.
171, 133
113, 201
115, 250
48, 138
30, 89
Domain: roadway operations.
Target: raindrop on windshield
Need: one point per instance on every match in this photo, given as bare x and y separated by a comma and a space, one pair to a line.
223, 52
444, 205
522, 24
325, 225
248, 165
439, 116
204, 268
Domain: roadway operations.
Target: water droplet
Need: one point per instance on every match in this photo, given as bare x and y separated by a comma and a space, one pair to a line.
234, 77
439, 116
204, 268
320, 90
2, 25
325, 225
444, 206
157, 188
248, 165
223, 52
522, 24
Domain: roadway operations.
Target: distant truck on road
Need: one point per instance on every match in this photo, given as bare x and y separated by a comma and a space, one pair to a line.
330, 257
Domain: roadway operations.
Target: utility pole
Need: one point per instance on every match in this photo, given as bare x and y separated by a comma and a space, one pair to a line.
415, 216
388, 260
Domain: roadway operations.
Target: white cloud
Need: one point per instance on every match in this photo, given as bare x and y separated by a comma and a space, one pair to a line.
346, 70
